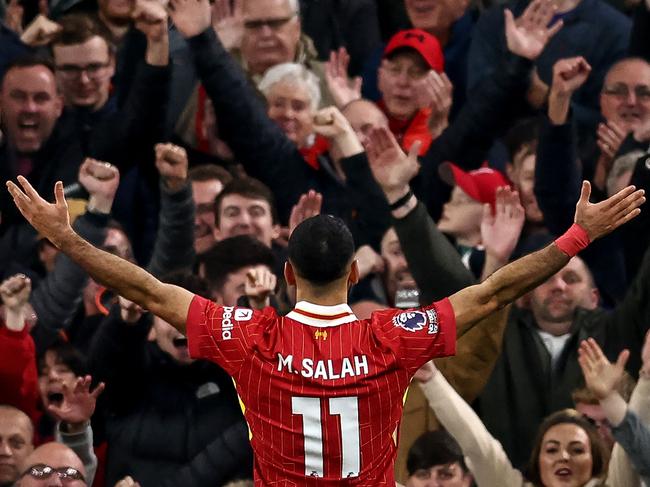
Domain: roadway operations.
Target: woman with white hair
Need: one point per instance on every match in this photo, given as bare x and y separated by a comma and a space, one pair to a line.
293, 95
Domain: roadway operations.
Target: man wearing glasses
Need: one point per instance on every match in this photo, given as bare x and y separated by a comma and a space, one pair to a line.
85, 58
625, 97
52, 465
85, 62
272, 34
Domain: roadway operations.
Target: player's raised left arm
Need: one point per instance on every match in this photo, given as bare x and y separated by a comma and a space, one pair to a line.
592, 221
170, 303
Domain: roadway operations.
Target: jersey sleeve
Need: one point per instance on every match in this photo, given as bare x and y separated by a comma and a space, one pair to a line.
222, 334
418, 335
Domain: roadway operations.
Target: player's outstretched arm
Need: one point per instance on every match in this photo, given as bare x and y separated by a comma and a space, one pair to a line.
170, 303
592, 221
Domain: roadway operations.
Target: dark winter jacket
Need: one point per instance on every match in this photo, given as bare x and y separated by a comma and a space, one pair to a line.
167, 424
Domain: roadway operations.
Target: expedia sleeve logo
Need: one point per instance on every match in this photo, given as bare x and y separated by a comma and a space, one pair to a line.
410, 320
240, 314
226, 323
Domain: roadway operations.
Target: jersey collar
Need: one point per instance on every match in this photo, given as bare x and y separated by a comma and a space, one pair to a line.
322, 316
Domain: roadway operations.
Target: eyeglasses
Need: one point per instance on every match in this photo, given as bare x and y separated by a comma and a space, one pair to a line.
42, 471
72, 71
622, 92
273, 24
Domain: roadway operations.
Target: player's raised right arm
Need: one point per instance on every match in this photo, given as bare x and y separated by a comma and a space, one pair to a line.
592, 221
170, 303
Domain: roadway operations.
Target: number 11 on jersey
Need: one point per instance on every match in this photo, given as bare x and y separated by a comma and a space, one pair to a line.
347, 408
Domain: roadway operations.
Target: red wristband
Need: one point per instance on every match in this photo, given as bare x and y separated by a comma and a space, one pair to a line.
573, 241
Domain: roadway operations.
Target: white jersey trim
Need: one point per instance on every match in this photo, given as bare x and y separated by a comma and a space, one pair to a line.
322, 316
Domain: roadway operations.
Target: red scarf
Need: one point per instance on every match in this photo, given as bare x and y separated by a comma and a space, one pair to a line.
408, 131
320, 146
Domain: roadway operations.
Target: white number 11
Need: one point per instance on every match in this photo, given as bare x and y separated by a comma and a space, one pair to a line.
348, 410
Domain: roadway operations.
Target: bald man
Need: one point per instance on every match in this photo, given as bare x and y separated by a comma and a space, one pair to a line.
363, 116
52, 465
16, 434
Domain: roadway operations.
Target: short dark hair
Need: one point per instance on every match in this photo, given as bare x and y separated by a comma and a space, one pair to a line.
320, 249
66, 354
78, 28
29, 61
434, 448
522, 136
208, 172
232, 254
248, 188
599, 452
193, 283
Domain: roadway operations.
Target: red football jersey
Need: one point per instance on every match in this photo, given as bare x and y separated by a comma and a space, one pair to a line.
322, 391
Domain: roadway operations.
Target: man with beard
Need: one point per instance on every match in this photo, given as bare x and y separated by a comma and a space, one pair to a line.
538, 368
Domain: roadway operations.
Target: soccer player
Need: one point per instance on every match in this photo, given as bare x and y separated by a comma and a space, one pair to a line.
323, 390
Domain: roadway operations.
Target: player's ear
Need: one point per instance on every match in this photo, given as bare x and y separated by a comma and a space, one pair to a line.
289, 275
353, 277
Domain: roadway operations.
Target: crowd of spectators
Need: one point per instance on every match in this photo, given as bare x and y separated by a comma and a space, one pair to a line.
193, 137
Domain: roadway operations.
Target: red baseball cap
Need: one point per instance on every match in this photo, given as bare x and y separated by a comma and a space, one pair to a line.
424, 43
479, 184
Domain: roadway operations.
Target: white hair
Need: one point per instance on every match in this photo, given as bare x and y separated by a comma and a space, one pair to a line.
295, 74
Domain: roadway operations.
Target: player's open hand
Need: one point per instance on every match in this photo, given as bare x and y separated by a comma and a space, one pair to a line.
599, 219
51, 220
